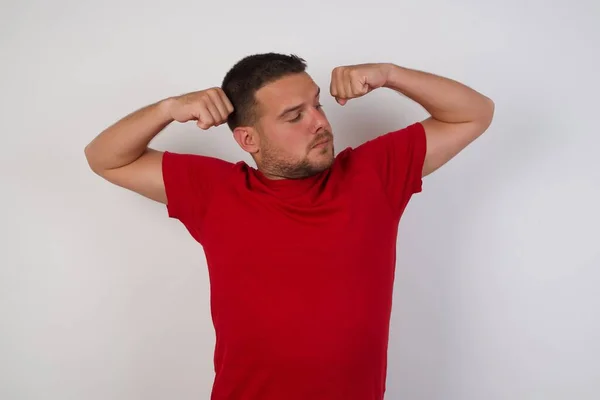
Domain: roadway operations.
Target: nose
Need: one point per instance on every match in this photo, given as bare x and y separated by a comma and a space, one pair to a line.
319, 121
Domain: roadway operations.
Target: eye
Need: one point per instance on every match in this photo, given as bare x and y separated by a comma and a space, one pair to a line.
297, 118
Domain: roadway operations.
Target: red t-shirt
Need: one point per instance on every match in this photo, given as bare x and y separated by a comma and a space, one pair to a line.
301, 271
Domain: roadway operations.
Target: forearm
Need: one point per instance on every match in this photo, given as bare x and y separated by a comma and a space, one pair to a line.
445, 99
128, 139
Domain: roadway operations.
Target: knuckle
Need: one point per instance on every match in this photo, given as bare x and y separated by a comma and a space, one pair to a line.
215, 91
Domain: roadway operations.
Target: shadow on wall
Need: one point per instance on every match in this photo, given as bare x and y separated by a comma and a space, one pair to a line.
215, 142
368, 117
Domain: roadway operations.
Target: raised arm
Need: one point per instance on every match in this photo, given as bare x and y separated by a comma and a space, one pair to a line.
120, 154
459, 114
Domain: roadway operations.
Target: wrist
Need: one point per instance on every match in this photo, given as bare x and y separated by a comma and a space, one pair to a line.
164, 108
391, 73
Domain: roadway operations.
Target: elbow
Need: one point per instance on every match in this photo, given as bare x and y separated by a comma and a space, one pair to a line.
87, 152
487, 112
89, 157
491, 108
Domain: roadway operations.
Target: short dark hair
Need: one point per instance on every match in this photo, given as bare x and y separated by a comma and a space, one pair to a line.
250, 74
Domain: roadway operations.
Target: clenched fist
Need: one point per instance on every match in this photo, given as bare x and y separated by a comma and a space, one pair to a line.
352, 81
209, 107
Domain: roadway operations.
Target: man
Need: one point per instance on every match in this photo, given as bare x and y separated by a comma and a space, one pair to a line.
301, 250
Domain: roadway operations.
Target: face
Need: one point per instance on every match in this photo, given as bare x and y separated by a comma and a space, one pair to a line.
294, 137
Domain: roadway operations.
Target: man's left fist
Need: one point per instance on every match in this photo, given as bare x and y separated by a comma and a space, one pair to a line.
352, 81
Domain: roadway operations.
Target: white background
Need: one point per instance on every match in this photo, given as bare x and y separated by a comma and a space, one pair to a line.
496, 297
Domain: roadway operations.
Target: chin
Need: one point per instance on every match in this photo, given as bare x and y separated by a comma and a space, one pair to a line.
321, 164
317, 161
309, 167
324, 156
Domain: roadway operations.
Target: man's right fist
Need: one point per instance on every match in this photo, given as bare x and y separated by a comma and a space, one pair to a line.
209, 107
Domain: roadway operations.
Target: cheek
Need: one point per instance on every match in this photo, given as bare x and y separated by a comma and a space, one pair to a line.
296, 139
301, 142
289, 141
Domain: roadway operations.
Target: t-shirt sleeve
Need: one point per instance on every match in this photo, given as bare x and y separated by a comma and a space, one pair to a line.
190, 183
397, 158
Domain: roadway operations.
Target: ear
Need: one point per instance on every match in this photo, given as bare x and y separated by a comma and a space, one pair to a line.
247, 138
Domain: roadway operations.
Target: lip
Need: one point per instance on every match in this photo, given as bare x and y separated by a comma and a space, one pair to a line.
322, 143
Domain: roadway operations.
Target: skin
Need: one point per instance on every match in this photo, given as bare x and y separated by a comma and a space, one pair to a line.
292, 137
284, 145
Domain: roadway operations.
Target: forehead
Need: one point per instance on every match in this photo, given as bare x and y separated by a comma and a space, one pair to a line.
288, 91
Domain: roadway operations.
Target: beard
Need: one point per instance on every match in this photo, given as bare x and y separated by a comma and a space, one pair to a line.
273, 163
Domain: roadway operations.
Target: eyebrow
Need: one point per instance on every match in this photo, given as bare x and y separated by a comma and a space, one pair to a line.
299, 106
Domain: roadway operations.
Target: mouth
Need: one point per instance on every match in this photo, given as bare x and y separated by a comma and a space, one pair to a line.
322, 143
